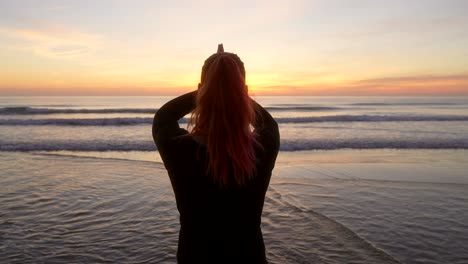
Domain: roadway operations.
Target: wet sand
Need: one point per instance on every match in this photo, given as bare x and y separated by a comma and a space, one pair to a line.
333, 207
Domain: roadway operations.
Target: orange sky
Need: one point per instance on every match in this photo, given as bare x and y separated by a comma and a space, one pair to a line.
299, 48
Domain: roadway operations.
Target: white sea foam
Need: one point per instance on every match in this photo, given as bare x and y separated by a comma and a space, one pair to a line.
286, 144
125, 121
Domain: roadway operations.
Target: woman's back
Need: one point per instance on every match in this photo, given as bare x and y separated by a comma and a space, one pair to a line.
220, 222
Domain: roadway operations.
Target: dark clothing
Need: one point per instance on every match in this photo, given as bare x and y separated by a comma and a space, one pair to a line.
217, 224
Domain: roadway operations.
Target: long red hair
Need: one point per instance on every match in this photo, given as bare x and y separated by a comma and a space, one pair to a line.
222, 119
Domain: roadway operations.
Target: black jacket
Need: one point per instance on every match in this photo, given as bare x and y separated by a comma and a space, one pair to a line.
218, 224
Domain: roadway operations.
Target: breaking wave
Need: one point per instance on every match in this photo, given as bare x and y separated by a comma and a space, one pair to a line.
316, 119
286, 144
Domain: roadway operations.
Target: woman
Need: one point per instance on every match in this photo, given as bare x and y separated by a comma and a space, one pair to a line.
221, 169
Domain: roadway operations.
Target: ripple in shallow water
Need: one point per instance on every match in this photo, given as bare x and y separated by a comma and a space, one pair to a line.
83, 210
416, 222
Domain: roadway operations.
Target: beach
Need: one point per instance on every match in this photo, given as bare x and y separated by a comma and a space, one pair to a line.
58, 209
357, 180
370, 99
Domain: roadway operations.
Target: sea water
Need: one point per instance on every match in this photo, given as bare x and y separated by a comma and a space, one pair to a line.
358, 180
306, 123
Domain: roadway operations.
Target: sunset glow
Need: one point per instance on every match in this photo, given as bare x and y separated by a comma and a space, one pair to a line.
294, 48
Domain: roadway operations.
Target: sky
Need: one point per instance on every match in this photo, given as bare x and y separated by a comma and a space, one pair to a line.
314, 47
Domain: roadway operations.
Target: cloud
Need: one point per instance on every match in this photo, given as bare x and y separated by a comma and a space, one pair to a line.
58, 43
418, 79
456, 84
418, 85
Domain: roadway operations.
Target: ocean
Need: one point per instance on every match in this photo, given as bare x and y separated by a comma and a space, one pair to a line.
357, 180
307, 123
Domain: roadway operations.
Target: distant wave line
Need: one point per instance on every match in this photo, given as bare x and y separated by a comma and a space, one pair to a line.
282, 120
303, 108
409, 104
48, 111
77, 122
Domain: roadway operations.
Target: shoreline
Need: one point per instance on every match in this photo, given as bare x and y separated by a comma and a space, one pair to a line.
393, 205
430, 166
384, 155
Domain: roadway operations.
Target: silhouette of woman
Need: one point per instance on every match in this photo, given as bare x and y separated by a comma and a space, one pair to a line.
221, 169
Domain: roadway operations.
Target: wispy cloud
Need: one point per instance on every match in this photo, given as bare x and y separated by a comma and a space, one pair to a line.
456, 84
413, 85
58, 43
418, 79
